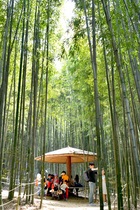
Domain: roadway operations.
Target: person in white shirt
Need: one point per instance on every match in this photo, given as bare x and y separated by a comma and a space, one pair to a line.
104, 187
38, 178
64, 187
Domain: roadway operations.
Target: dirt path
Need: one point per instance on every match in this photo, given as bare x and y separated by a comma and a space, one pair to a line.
67, 205
73, 203
48, 204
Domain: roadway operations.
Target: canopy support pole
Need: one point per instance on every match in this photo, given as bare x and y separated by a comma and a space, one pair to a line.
69, 167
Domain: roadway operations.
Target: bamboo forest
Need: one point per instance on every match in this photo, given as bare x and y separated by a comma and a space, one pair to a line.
70, 77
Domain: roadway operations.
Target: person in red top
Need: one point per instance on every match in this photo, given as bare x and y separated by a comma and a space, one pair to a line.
56, 179
55, 182
49, 182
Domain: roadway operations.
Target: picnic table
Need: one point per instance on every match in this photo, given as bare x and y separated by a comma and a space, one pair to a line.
78, 189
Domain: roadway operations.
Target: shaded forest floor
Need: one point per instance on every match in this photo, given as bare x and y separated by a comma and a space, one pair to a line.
75, 203
49, 204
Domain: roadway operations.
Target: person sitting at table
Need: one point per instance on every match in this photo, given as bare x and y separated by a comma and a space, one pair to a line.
64, 177
77, 183
48, 184
71, 183
65, 189
56, 179
55, 182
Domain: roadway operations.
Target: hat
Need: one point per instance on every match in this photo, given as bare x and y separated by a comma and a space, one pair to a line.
91, 164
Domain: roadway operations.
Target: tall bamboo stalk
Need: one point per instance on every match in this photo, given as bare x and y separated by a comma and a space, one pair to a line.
92, 47
35, 71
126, 101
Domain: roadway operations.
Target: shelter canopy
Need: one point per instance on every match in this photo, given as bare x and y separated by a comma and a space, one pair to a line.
61, 155
68, 155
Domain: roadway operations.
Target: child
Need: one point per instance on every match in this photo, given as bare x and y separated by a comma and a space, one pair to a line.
64, 187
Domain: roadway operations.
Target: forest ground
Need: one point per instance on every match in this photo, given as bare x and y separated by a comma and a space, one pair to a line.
49, 204
74, 202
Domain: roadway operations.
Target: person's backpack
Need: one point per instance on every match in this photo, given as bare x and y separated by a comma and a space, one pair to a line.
86, 178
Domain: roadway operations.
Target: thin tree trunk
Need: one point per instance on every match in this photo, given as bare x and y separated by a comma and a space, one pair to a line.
35, 68
23, 152
110, 101
3, 88
12, 174
46, 91
126, 102
96, 96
